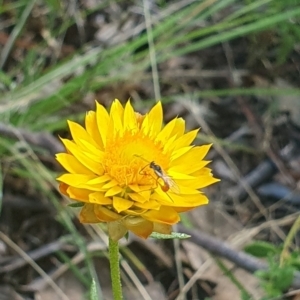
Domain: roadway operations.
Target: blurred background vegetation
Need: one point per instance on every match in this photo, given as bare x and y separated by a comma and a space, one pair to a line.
230, 67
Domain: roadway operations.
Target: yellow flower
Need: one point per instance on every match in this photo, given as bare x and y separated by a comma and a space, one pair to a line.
132, 172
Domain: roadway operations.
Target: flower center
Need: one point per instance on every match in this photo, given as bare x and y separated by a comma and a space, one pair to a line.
127, 159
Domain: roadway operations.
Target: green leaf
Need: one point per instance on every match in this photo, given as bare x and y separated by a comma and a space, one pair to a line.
76, 204
261, 249
295, 264
262, 274
293, 260
54, 4
283, 278
172, 236
5, 79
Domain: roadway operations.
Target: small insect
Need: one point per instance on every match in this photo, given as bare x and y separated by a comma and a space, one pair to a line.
169, 183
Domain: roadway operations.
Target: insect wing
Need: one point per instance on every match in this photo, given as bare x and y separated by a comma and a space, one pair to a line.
170, 183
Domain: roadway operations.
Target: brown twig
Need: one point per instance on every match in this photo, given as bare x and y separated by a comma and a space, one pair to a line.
261, 173
276, 158
223, 249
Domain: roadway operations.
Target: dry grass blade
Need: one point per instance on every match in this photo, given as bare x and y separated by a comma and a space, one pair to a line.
193, 109
152, 53
34, 265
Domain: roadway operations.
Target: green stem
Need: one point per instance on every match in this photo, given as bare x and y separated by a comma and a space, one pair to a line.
233, 278
288, 241
115, 269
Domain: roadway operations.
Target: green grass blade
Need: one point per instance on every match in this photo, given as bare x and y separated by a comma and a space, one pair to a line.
15, 33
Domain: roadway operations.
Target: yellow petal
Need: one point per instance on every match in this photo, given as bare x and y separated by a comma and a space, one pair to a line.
139, 226
199, 182
92, 150
197, 153
162, 228
102, 119
179, 127
185, 140
63, 188
91, 187
75, 179
184, 190
166, 215
146, 194
110, 184
140, 188
138, 197
116, 230
79, 133
151, 204
202, 172
190, 168
116, 117
92, 128
162, 197
146, 126
155, 119
189, 200
180, 152
176, 200
121, 204
169, 144
105, 215
187, 165
99, 198
179, 175
78, 194
117, 109
135, 212
130, 121
87, 214
71, 164
99, 179
165, 133
113, 191
184, 209
83, 157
